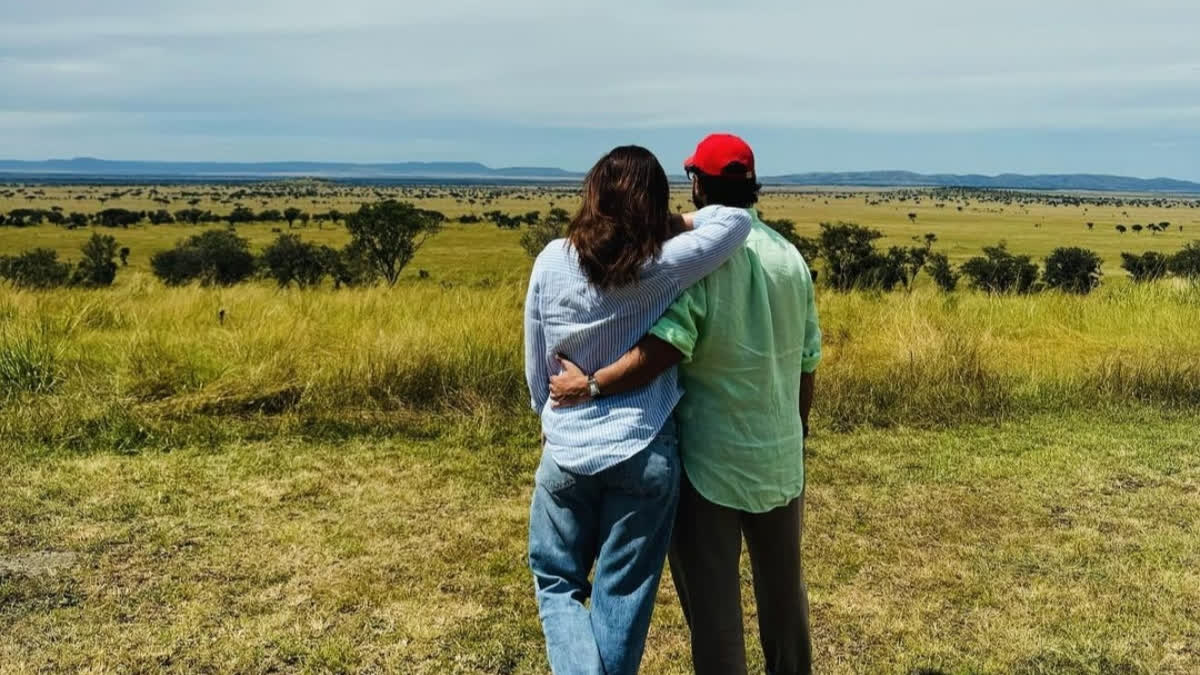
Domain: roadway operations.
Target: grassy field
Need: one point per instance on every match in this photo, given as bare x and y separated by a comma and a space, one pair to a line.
1060, 544
337, 481
1032, 224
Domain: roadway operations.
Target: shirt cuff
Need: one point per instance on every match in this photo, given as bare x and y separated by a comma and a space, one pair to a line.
808, 364
675, 335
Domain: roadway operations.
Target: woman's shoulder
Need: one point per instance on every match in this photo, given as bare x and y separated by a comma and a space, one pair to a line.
557, 256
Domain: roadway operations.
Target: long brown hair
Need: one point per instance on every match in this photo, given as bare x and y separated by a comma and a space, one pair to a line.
625, 216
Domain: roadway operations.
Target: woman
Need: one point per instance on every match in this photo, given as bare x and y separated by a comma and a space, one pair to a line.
606, 489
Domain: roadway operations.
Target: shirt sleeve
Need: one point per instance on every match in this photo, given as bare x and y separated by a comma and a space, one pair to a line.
680, 325
717, 233
537, 375
812, 328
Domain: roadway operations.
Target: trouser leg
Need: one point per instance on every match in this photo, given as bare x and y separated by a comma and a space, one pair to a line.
562, 533
774, 542
636, 519
705, 550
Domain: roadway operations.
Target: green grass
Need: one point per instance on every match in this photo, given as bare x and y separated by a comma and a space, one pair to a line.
1059, 544
337, 481
144, 365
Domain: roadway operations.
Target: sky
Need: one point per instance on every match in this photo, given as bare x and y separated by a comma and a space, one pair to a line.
1025, 86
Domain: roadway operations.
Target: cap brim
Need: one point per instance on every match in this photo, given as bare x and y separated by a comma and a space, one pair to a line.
689, 164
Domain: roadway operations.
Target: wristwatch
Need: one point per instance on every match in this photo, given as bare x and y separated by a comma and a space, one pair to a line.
593, 388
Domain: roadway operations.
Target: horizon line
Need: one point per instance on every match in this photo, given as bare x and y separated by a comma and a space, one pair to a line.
580, 173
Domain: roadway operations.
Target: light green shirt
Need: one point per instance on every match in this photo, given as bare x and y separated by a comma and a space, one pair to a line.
747, 332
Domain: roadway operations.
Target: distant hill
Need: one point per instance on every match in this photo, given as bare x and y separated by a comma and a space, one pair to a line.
1011, 181
89, 167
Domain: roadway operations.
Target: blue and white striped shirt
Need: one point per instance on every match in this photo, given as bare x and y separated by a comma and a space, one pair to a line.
566, 314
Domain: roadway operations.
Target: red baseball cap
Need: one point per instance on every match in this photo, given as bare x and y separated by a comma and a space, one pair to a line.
716, 154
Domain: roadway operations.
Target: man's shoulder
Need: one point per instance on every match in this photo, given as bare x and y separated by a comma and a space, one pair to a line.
771, 247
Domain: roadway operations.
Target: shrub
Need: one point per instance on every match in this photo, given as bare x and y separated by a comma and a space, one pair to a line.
503, 220
177, 266
998, 271
349, 266
215, 257
36, 268
289, 260
850, 255
1148, 266
1072, 269
943, 274
25, 217
1186, 263
117, 217
853, 262
98, 266
241, 214
389, 233
809, 249
160, 217
541, 232
192, 216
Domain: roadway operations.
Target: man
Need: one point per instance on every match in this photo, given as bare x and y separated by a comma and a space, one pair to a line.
749, 343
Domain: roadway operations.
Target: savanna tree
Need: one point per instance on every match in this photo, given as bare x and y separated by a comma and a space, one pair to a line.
999, 271
389, 234
191, 216
117, 217
160, 217
214, 257
240, 214
98, 266
289, 260
938, 266
1072, 269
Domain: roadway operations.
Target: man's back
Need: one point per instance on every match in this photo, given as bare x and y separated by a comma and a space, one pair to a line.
747, 332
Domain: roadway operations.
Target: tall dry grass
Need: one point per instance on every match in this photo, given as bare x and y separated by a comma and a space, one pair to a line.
146, 366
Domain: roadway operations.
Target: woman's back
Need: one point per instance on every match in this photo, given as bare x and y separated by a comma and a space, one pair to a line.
593, 326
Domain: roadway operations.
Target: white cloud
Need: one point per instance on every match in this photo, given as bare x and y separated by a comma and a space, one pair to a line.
867, 65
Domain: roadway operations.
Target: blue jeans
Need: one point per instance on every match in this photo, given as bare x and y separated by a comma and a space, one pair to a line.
618, 520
